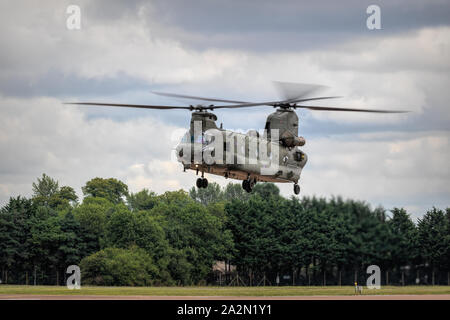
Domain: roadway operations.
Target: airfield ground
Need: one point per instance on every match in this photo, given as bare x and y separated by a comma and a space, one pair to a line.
206, 293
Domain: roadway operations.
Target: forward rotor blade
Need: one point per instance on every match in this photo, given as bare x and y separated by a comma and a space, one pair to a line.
349, 109
142, 106
176, 95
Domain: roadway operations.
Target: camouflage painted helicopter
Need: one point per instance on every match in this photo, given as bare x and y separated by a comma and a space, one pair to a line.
274, 156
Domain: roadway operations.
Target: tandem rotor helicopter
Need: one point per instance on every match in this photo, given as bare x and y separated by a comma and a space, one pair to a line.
204, 139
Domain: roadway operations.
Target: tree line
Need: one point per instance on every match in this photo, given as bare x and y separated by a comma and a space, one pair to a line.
121, 238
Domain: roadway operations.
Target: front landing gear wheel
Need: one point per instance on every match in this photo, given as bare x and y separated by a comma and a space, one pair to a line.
248, 185
251, 184
296, 189
204, 183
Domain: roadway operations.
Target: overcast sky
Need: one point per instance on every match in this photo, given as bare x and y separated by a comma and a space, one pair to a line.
227, 49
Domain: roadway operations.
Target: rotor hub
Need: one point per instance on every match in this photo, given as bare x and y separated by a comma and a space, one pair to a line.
285, 106
201, 107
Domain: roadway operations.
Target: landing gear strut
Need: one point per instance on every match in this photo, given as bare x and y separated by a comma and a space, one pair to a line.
248, 185
202, 183
296, 189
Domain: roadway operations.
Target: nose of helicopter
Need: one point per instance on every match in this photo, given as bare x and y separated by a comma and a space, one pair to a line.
304, 160
179, 151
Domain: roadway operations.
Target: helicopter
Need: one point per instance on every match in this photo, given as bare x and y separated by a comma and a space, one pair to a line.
273, 156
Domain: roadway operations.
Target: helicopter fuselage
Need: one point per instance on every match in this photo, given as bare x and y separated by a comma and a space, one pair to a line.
251, 156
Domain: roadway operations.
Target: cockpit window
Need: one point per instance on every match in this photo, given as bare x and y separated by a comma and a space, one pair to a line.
208, 138
199, 139
299, 156
186, 138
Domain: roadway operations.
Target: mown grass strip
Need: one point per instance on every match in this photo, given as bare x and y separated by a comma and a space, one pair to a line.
221, 291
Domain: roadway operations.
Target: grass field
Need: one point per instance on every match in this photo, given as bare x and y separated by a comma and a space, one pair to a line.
220, 291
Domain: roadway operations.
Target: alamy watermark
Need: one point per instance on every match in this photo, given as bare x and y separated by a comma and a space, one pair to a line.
73, 21
373, 22
74, 280
215, 146
374, 280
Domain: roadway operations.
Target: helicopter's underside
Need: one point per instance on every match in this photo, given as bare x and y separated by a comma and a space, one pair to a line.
235, 174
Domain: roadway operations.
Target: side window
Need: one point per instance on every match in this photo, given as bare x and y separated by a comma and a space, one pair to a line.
298, 156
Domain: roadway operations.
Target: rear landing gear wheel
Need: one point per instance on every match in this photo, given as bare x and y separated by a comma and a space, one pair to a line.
202, 183
296, 189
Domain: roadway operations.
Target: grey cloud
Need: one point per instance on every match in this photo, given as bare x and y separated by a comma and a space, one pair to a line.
291, 25
37, 135
58, 84
125, 49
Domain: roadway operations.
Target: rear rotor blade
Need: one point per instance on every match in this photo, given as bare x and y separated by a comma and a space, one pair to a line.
349, 109
271, 103
292, 104
292, 90
142, 106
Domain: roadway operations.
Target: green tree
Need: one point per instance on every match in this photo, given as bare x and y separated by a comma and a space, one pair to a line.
177, 198
119, 267
111, 189
234, 191
432, 239
92, 216
212, 193
45, 239
70, 245
14, 235
46, 192
248, 222
63, 199
403, 236
120, 228
45, 187
180, 269
150, 236
125, 229
190, 227
142, 200
266, 190
447, 240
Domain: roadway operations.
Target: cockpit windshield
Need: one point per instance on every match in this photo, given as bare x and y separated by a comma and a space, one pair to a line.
186, 138
199, 138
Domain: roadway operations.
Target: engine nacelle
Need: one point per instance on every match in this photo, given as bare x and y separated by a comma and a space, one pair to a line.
289, 140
